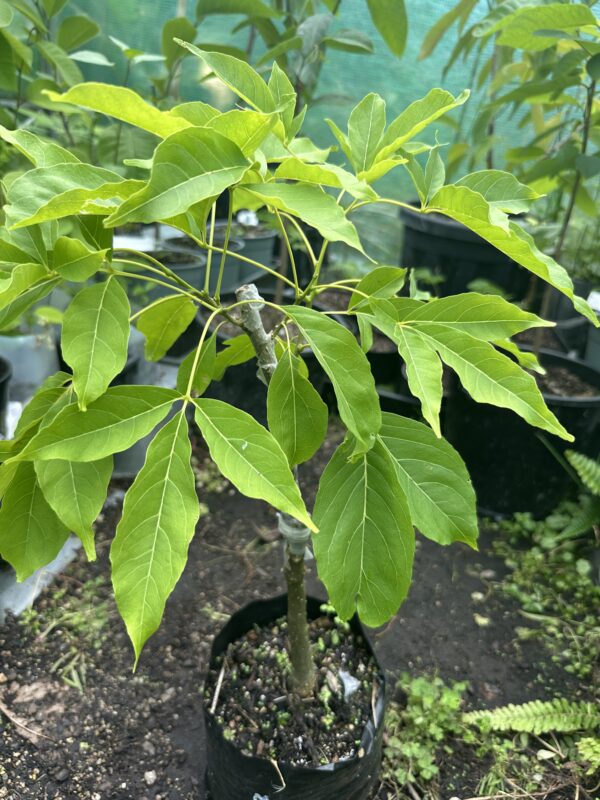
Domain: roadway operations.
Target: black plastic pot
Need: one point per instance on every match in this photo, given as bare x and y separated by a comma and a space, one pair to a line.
513, 466
452, 250
571, 328
231, 775
5, 375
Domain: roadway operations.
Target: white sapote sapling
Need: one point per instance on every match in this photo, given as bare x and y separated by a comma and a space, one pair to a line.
389, 474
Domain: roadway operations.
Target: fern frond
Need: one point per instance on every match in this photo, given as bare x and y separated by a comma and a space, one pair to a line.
587, 469
584, 519
589, 752
553, 716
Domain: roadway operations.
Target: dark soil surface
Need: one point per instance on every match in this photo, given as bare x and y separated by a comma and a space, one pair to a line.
126, 736
540, 337
562, 382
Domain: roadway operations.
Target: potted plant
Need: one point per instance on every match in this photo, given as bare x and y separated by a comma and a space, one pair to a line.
318, 678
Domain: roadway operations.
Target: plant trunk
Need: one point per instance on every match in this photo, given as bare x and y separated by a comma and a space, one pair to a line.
301, 656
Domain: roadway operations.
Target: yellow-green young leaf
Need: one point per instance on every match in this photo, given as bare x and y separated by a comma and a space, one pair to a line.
434, 479
390, 19
296, 414
176, 28
239, 76
162, 324
236, 350
31, 535
75, 31
114, 422
472, 209
284, 96
248, 129
48, 193
366, 125
380, 282
75, 261
522, 29
188, 167
365, 545
76, 493
40, 152
21, 278
417, 116
122, 104
423, 372
338, 352
65, 67
324, 175
94, 339
250, 457
150, 547
501, 189
247, 8
312, 205
205, 368
6, 14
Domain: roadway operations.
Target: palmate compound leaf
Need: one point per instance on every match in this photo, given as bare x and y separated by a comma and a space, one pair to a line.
296, 413
365, 544
160, 512
95, 336
31, 535
111, 424
188, 167
434, 479
250, 457
76, 492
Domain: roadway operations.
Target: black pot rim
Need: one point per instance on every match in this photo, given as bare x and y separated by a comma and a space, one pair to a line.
379, 704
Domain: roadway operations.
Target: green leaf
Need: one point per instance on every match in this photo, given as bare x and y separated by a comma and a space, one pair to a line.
471, 208
122, 104
365, 545
236, 350
282, 47
114, 422
284, 96
91, 57
250, 457
204, 371
239, 76
423, 372
435, 173
59, 191
350, 41
24, 301
248, 8
521, 29
341, 137
196, 112
416, 117
188, 167
296, 414
68, 71
338, 352
501, 190
37, 150
76, 31
76, 494
247, 129
42, 401
312, 205
75, 261
31, 535
434, 479
94, 339
461, 9
366, 125
382, 282
6, 14
164, 322
176, 28
159, 519
54, 7
22, 277
324, 175
389, 17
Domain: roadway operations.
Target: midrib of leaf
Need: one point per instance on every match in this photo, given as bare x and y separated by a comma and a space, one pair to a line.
432, 413
95, 336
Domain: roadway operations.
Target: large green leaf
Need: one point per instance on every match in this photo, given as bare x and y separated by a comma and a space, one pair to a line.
188, 167
74, 260
163, 323
472, 209
65, 67
250, 457
461, 10
339, 354
31, 535
236, 350
417, 116
365, 545
95, 336
423, 372
176, 28
390, 19
296, 414
523, 29
122, 104
284, 96
248, 129
324, 175
239, 76
248, 8
76, 493
24, 301
20, 278
75, 31
195, 112
381, 282
62, 190
37, 150
150, 547
312, 205
366, 125
434, 479
501, 190
114, 422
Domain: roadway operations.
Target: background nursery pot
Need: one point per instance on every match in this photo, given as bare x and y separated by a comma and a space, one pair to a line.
5, 376
461, 256
33, 358
513, 467
232, 775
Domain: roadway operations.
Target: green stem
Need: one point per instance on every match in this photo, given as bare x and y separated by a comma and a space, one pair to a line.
290, 252
225, 247
211, 235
